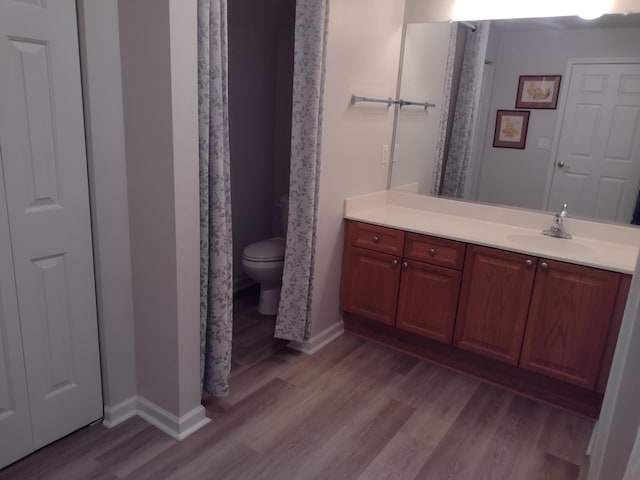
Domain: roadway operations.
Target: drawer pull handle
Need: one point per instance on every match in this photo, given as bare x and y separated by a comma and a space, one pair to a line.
376, 239
405, 265
528, 263
432, 252
544, 265
394, 263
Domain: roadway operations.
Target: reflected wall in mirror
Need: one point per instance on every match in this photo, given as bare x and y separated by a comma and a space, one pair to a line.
585, 153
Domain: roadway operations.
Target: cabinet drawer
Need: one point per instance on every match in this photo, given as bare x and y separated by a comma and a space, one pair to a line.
436, 251
379, 239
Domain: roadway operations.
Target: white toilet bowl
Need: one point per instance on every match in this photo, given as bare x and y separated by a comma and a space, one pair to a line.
263, 262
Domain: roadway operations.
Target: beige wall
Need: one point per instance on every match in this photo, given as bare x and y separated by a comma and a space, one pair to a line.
160, 110
362, 58
184, 97
417, 129
102, 90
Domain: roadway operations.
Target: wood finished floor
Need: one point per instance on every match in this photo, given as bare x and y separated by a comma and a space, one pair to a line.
354, 410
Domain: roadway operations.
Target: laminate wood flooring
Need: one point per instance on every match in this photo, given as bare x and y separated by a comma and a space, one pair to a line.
354, 410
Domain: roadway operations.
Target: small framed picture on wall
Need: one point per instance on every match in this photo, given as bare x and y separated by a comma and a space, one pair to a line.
538, 91
511, 129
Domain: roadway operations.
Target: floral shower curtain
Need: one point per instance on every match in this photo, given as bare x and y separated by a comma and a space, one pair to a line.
216, 273
456, 165
441, 143
306, 133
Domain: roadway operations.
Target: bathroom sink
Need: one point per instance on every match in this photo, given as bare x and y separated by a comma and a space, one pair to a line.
551, 244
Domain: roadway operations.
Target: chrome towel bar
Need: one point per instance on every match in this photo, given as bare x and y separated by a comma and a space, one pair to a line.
390, 101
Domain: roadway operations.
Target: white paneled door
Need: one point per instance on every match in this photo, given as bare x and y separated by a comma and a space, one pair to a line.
597, 168
15, 419
48, 234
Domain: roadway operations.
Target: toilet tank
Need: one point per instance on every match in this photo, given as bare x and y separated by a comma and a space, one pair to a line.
283, 204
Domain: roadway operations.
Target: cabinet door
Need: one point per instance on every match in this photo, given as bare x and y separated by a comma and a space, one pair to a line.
428, 300
496, 288
570, 313
370, 285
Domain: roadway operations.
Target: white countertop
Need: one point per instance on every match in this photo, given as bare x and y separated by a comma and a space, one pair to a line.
614, 254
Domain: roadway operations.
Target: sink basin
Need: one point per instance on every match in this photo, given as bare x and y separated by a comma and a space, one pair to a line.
550, 244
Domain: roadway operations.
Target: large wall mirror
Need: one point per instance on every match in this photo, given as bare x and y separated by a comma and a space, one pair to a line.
573, 139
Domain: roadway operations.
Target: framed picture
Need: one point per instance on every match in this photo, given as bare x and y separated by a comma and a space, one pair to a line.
511, 129
538, 91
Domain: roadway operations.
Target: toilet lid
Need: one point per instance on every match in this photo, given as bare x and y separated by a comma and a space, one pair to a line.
265, 251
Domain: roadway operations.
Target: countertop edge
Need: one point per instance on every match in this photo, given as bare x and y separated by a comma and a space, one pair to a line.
625, 264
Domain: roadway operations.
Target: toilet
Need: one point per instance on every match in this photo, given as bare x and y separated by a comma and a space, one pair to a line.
263, 262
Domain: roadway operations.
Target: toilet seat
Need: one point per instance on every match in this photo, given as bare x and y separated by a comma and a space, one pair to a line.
270, 250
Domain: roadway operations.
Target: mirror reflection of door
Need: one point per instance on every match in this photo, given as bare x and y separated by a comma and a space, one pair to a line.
597, 166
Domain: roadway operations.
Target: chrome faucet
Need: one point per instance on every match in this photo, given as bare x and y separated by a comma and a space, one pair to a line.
557, 227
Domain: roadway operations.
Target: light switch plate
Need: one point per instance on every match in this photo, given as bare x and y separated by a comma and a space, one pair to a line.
544, 143
384, 156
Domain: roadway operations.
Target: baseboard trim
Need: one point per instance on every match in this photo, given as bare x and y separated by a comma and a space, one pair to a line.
316, 342
118, 413
594, 432
176, 427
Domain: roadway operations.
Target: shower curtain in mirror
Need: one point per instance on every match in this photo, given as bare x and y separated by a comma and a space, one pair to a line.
455, 167
306, 134
216, 273
441, 143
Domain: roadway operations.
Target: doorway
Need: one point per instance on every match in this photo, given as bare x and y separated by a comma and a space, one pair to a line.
596, 168
261, 40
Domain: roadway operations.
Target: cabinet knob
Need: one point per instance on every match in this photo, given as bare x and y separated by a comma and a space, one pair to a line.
405, 265
432, 252
544, 265
376, 239
394, 263
528, 262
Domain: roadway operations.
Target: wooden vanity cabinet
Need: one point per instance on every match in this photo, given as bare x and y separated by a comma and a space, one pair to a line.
430, 286
569, 319
494, 302
542, 328
417, 292
371, 278
546, 316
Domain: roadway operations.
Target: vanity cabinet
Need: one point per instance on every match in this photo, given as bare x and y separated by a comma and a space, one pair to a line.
416, 289
546, 316
569, 319
371, 275
372, 281
494, 302
542, 328
430, 286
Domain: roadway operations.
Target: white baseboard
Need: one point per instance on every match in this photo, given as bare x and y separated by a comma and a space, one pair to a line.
594, 432
316, 342
178, 428
115, 415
